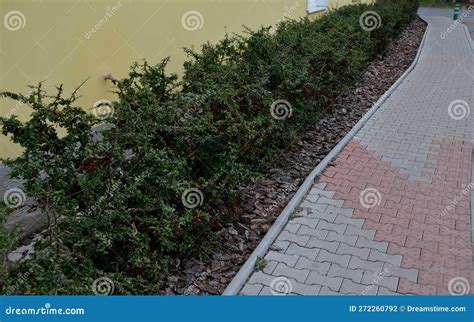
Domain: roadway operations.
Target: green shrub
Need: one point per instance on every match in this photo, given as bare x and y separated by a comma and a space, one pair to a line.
116, 205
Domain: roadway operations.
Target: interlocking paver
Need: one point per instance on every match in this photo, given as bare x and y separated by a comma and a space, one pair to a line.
330, 246
334, 283
390, 282
304, 263
353, 274
299, 275
349, 287
341, 260
349, 240
295, 249
289, 260
251, 289
363, 253
392, 215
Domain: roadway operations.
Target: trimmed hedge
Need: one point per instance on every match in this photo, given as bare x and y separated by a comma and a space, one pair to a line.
119, 207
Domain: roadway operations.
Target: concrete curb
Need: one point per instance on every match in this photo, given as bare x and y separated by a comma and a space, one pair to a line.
244, 273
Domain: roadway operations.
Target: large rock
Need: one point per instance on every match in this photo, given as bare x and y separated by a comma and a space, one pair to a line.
28, 222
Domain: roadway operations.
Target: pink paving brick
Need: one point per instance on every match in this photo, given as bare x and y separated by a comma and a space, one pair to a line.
423, 233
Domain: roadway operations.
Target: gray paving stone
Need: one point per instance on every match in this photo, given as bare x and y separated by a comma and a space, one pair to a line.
341, 219
298, 239
266, 291
338, 228
329, 217
325, 256
328, 201
320, 267
313, 206
333, 236
349, 286
304, 221
251, 289
353, 274
384, 291
312, 198
304, 289
339, 211
325, 291
378, 245
299, 275
292, 227
410, 274
280, 245
380, 279
260, 278
318, 233
295, 249
354, 251
395, 260
354, 231
356, 262
269, 266
334, 283
289, 260
320, 192
322, 244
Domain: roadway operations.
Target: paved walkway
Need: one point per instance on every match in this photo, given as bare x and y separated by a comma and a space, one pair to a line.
392, 215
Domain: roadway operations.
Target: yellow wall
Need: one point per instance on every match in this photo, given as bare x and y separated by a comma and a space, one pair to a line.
68, 41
